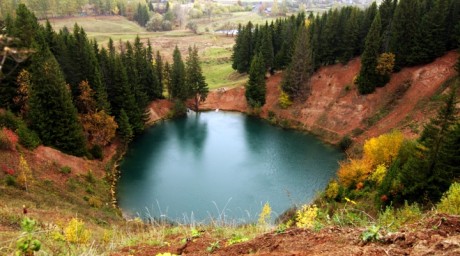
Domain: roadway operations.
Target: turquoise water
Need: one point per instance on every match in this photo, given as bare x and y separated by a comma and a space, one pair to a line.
221, 166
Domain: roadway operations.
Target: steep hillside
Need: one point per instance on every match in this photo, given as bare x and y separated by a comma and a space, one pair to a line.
335, 109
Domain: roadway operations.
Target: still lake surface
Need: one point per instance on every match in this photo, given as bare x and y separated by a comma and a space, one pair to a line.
221, 166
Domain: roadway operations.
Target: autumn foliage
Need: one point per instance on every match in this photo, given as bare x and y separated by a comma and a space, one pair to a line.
378, 154
98, 126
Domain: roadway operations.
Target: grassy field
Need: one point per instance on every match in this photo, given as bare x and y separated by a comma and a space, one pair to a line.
215, 49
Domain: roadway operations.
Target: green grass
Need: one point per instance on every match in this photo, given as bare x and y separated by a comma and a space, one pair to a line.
217, 68
221, 75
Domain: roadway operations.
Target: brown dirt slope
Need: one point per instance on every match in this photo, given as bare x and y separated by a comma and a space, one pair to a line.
335, 109
436, 235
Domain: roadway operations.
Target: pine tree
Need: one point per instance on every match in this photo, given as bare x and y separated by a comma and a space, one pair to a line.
159, 69
243, 49
24, 29
255, 88
386, 10
367, 20
167, 79
194, 77
368, 77
142, 15
432, 37
404, 29
431, 168
52, 113
179, 89
296, 80
124, 127
351, 37
266, 47
124, 96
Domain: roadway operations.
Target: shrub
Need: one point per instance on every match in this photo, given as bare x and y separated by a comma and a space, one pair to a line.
179, 109
27, 244
394, 219
450, 201
10, 180
345, 142
28, 138
264, 216
332, 190
305, 216
94, 202
90, 177
284, 101
96, 152
383, 149
9, 120
379, 174
65, 169
353, 172
76, 232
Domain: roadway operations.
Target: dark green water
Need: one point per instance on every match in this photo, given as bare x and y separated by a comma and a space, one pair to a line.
222, 165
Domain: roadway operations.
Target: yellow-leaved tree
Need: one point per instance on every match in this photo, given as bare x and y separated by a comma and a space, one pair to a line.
25, 174
383, 149
98, 126
378, 155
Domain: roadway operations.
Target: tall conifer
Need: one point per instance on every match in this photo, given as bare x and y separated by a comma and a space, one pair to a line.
179, 89
296, 80
368, 77
52, 113
194, 77
255, 88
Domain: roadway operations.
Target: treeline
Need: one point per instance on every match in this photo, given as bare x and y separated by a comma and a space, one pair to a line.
391, 36
65, 8
75, 94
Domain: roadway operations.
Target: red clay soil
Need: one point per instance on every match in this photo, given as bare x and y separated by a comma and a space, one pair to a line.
335, 108
438, 235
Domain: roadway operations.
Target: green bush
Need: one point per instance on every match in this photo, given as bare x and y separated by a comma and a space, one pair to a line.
450, 201
392, 219
90, 177
9, 120
10, 180
65, 169
28, 138
179, 109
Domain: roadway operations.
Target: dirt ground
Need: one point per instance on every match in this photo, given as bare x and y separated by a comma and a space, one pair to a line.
437, 235
335, 109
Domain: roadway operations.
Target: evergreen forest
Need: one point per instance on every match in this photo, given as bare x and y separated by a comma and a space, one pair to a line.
67, 92
388, 37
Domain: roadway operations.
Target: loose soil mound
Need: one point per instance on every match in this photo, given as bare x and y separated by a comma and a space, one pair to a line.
437, 235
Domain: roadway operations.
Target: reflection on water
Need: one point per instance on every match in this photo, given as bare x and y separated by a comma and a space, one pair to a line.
221, 164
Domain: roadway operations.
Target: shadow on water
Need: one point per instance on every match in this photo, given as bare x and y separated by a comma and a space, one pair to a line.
191, 132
